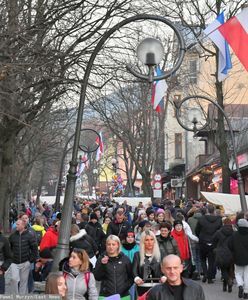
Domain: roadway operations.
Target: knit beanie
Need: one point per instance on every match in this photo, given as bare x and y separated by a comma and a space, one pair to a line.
177, 222
242, 223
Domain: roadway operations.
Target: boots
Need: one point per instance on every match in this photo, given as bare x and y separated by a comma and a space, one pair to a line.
224, 285
241, 292
229, 288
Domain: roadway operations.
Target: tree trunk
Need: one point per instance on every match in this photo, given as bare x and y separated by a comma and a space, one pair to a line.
7, 151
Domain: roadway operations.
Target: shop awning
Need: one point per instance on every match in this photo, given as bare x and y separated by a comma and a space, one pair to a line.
229, 202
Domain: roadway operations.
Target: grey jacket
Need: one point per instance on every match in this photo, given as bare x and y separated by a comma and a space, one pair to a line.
76, 287
192, 291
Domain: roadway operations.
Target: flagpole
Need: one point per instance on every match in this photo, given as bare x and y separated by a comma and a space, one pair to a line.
243, 202
62, 249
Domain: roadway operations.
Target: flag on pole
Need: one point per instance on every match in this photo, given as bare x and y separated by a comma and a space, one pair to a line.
212, 31
99, 152
159, 89
235, 31
82, 164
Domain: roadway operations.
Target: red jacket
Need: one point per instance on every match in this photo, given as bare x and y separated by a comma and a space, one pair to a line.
50, 239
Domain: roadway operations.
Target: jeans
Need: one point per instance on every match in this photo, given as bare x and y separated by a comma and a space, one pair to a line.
196, 256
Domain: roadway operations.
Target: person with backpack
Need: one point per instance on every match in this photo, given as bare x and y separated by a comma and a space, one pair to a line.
81, 284
223, 255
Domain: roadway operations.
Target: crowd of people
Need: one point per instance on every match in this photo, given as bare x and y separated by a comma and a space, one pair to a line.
154, 251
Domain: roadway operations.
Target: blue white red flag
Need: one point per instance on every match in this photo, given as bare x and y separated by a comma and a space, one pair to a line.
100, 151
159, 89
235, 31
213, 32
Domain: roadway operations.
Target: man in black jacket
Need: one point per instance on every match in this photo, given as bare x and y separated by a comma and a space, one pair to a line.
205, 229
5, 260
119, 226
25, 251
175, 287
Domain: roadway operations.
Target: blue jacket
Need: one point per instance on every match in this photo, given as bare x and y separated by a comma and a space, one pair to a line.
130, 253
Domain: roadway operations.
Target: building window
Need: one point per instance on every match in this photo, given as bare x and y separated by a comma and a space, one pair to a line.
193, 71
178, 145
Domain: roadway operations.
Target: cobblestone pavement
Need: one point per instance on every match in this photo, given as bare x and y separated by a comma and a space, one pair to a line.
214, 291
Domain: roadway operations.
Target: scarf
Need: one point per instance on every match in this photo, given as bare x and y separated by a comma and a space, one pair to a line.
128, 246
182, 242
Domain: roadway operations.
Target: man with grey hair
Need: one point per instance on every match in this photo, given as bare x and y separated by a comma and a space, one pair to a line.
175, 287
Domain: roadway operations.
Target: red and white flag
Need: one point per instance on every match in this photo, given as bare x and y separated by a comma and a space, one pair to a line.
235, 31
83, 163
159, 89
99, 152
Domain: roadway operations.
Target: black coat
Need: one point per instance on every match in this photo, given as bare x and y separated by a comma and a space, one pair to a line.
238, 244
148, 269
83, 241
116, 276
118, 229
5, 253
96, 233
191, 291
223, 256
206, 227
24, 247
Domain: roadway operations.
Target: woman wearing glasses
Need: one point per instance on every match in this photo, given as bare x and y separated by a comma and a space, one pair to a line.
80, 282
114, 270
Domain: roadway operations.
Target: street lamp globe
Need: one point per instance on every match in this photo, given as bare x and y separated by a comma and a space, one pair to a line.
150, 52
113, 161
95, 171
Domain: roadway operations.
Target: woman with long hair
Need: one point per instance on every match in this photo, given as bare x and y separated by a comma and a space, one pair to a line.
168, 217
55, 284
146, 262
80, 282
114, 270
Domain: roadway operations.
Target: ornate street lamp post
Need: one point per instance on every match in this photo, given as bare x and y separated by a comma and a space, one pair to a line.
151, 57
195, 116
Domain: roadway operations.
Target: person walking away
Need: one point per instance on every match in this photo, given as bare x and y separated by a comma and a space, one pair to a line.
223, 255
206, 227
238, 244
50, 239
175, 287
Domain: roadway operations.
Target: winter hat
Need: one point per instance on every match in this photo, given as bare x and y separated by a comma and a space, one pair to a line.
160, 211
130, 233
242, 223
46, 253
93, 216
177, 222
143, 223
